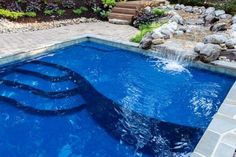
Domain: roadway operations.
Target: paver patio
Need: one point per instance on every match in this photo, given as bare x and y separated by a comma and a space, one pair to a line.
13, 43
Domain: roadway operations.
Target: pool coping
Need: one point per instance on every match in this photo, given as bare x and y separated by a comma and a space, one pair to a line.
217, 140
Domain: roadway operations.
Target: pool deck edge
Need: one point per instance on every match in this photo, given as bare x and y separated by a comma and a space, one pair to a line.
220, 136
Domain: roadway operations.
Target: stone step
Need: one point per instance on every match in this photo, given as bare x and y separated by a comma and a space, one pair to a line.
120, 16
127, 5
119, 22
124, 10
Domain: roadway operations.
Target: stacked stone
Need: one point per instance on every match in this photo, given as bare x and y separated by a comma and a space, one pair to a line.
217, 46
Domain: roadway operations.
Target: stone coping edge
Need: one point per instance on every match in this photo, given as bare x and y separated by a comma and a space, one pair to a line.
219, 140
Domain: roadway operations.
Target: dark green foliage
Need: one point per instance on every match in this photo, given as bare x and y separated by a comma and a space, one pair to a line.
143, 18
15, 15
58, 8
68, 4
228, 5
80, 10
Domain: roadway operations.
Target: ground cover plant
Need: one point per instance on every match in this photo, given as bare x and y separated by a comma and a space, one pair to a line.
55, 9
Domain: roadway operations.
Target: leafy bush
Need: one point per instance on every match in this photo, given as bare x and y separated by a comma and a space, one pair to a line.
143, 18
144, 29
48, 12
33, 5
158, 12
104, 14
80, 10
13, 6
60, 12
68, 4
109, 2
15, 15
52, 7
30, 14
96, 9
229, 7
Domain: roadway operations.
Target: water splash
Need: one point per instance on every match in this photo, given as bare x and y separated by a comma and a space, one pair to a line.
169, 65
174, 66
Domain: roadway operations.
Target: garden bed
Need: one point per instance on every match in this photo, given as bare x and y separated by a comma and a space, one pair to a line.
40, 10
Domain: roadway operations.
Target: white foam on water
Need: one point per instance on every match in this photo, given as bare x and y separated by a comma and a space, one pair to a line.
174, 66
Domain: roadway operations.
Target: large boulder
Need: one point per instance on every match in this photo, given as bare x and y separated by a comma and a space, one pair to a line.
165, 31
199, 21
219, 12
198, 47
177, 18
177, 7
210, 19
209, 52
188, 9
156, 34
234, 19
233, 27
218, 27
146, 43
197, 10
158, 41
225, 16
215, 39
210, 11
231, 43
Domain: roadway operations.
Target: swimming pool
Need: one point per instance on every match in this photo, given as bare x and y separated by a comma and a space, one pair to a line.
92, 99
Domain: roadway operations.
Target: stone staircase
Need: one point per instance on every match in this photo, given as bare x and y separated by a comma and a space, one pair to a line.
124, 12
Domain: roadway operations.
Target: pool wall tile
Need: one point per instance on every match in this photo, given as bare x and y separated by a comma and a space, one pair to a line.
206, 146
224, 150
197, 155
228, 110
223, 126
230, 139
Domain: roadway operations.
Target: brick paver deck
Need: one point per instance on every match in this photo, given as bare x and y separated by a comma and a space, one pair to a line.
13, 43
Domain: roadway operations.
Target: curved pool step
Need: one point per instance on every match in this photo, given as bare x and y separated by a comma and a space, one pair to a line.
42, 112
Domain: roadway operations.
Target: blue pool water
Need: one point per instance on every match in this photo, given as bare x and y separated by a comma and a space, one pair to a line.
94, 100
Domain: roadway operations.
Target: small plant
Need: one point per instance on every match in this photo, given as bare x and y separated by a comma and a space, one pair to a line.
15, 15
68, 4
48, 12
158, 12
34, 5
109, 3
80, 10
104, 14
30, 14
51, 6
96, 9
144, 29
60, 12
143, 18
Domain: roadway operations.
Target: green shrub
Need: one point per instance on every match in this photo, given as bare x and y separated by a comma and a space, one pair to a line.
104, 14
229, 7
158, 12
144, 29
30, 14
60, 12
15, 15
80, 10
11, 14
48, 12
109, 2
